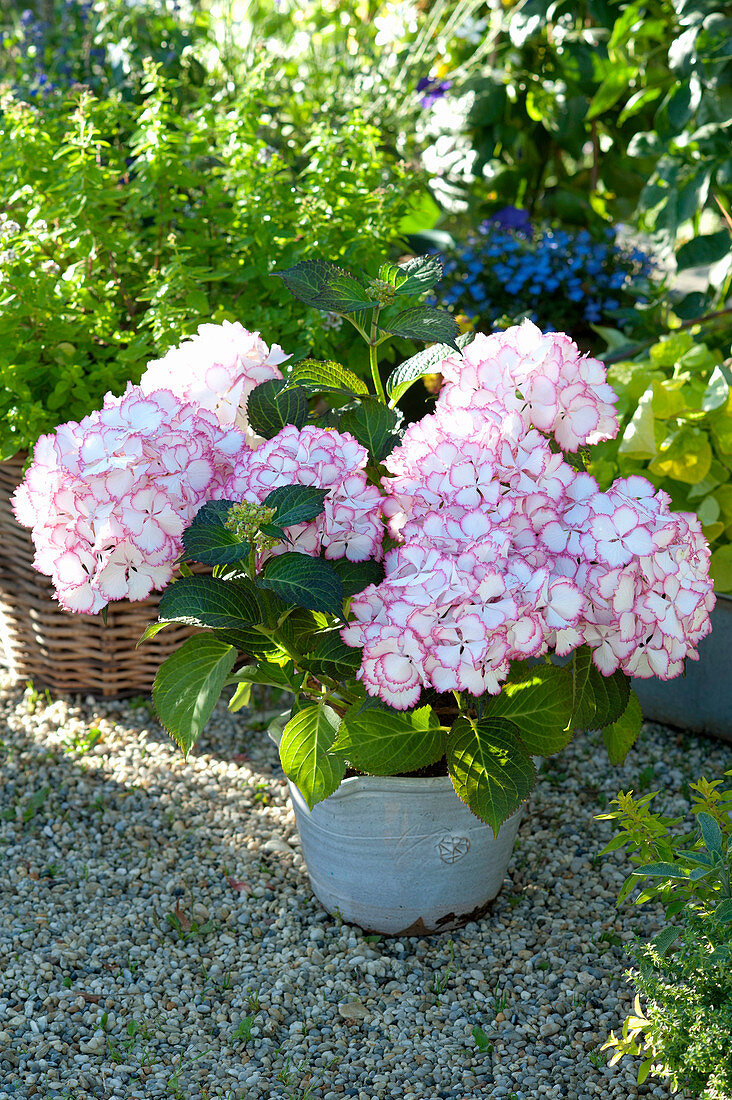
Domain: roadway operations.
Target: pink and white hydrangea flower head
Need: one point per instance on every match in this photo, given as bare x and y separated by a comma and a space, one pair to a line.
350, 525
543, 378
108, 498
217, 369
508, 552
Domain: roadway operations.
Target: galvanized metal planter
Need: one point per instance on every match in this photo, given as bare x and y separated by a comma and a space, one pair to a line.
400, 855
702, 699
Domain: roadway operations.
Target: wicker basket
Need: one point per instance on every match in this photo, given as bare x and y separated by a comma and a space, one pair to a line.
63, 652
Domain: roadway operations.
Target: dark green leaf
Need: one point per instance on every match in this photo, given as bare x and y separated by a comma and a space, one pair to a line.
489, 767
326, 286
304, 581
621, 735
424, 362
304, 752
701, 251
357, 575
583, 701
295, 503
374, 425
284, 676
723, 912
188, 685
382, 741
423, 323
662, 870
212, 602
422, 273
331, 657
598, 700
309, 278
252, 643
692, 305
271, 406
711, 833
612, 694
540, 704
344, 294
322, 375
209, 541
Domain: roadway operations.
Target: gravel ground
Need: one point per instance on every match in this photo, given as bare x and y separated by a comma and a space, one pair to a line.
158, 936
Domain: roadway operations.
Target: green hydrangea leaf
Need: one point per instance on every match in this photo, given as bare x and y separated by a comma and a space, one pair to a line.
295, 503
374, 425
305, 581
357, 575
325, 375
424, 362
423, 323
273, 404
188, 684
208, 540
326, 286
620, 736
212, 602
333, 658
285, 677
382, 741
305, 753
421, 274
540, 705
490, 769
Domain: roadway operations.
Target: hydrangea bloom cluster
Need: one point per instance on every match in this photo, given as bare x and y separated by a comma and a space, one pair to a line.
508, 552
217, 369
541, 379
109, 498
560, 279
644, 573
351, 524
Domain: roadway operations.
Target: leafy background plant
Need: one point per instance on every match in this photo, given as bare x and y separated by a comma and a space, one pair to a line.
49, 45
681, 1026
676, 430
126, 224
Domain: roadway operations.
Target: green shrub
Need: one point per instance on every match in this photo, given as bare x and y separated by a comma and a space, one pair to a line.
684, 1033
126, 224
675, 409
682, 1024
613, 112
52, 44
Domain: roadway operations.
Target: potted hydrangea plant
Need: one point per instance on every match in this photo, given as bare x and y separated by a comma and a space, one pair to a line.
408, 585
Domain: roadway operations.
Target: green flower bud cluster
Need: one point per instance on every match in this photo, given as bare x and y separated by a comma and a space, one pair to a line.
384, 292
245, 520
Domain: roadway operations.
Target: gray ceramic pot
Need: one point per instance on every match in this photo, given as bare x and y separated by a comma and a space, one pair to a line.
400, 855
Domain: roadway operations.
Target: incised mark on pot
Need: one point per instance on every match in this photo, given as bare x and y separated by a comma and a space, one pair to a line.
451, 847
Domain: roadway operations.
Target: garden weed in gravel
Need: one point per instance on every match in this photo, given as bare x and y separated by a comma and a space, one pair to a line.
252, 990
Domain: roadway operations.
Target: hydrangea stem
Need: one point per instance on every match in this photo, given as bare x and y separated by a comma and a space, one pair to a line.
374, 358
